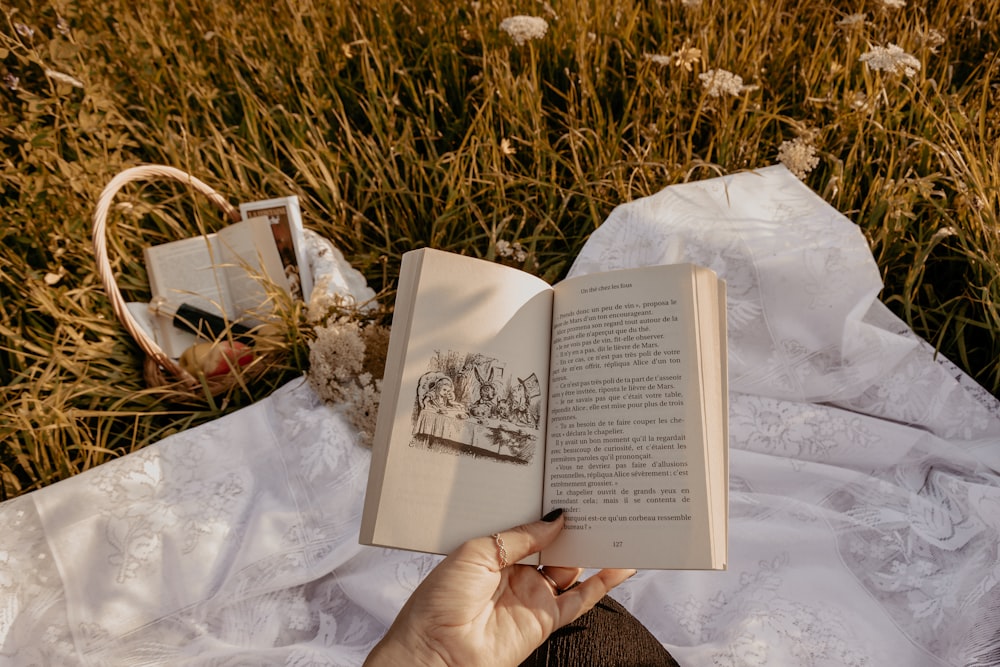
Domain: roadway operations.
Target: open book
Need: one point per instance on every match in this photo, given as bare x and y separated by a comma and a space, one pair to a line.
504, 398
228, 273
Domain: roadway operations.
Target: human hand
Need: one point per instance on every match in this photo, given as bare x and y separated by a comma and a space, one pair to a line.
475, 609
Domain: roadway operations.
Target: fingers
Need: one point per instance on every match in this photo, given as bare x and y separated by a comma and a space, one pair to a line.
578, 600
561, 578
512, 545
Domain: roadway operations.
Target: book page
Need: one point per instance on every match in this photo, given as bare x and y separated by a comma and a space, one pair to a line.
186, 271
458, 450
251, 260
715, 407
626, 453
289, 238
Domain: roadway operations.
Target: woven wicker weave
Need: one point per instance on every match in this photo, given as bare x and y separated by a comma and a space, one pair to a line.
159, 369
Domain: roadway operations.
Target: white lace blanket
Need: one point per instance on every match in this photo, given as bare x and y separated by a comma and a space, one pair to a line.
865, 504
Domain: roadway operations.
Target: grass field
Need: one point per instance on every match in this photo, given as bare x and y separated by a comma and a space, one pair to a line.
404, 124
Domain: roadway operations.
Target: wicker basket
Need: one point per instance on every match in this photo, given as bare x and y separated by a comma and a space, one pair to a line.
159, 369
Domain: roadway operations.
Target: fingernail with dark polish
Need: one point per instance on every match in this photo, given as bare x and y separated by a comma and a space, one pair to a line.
553, 515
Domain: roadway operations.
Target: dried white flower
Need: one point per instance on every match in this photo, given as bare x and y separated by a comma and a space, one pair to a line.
686, 57
62, 26
61, 77
932, 39
798, 156
335, 358
718, 82
11, 81
858, 101
506, 147
344, 357
892, 59
513, 250
894, 4
325, 304
852, 20
24, 30
362, 398
524, 28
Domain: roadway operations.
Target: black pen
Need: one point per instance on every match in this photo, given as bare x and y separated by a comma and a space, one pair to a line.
186, 317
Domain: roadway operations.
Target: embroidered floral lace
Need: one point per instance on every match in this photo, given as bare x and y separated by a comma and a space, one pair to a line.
865, 490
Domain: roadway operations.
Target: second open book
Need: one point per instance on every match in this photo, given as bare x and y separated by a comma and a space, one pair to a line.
505, 397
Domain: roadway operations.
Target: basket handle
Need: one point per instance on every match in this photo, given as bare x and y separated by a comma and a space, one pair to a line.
142, 173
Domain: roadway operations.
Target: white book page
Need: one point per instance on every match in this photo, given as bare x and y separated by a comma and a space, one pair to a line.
186, 271
625, 455
461, 461
251, 261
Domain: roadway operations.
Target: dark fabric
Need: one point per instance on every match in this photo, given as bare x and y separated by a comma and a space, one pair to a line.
606, 636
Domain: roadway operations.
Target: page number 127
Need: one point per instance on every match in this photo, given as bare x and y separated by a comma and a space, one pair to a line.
616, 544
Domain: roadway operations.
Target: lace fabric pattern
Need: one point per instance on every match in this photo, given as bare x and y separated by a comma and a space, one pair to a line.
864, 491
857, 454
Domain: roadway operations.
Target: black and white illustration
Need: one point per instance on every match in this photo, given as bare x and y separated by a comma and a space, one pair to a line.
467, 403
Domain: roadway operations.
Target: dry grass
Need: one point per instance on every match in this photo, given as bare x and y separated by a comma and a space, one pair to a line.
402, 124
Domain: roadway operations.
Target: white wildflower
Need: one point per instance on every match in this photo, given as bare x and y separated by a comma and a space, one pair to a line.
858, 101
61, 77
524, 28
513, 250
657, 58
506, 147
24, 30
686, 56
933, 39
62, 26
11, 81
894, 4
719, 82
798, 156
325, 304
852, 20
892, 59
